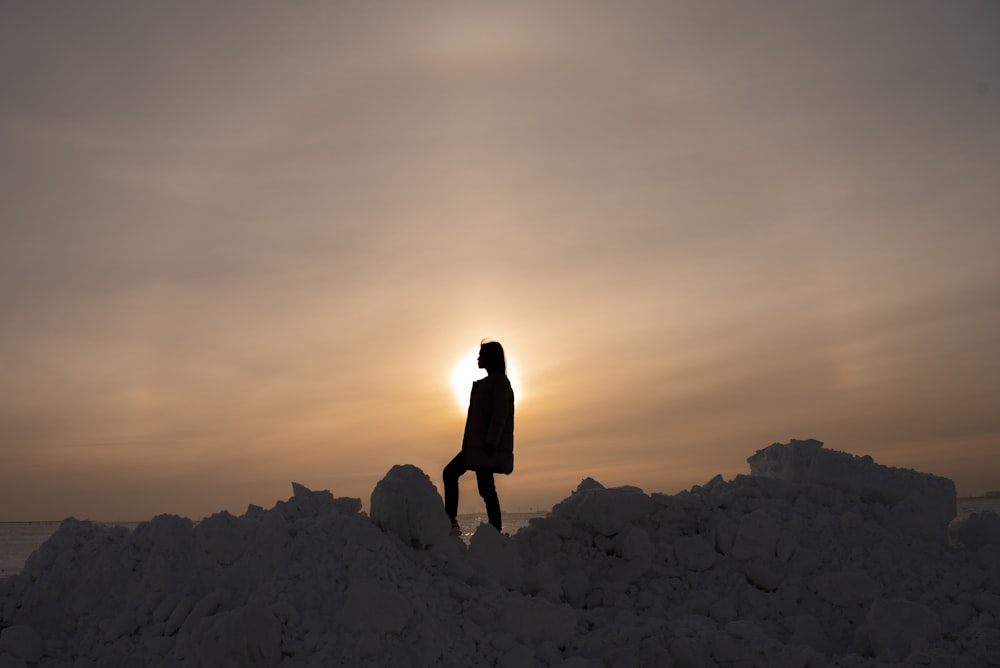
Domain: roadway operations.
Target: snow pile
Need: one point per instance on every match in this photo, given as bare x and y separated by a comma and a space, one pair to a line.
756, 571
406, 502
976, 531
922, 504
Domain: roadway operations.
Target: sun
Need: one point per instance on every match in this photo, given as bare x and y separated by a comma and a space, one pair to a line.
466, 371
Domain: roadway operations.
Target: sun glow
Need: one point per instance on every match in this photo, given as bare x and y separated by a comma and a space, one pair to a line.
466, 371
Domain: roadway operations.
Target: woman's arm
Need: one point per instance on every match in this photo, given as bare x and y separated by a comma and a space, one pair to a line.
502, 401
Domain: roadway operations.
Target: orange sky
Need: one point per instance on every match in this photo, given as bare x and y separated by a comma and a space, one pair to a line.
245, 244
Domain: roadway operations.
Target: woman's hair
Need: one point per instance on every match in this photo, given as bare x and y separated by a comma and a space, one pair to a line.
491, 353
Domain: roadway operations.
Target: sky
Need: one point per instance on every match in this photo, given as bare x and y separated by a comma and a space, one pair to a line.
246, 243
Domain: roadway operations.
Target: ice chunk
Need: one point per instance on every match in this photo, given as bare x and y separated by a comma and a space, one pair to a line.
407, 503
309, 503
370, 606
757, 536
894, 625
23, 642
977, 530
249, 636
845, 589
694, 553
222, 536
922, 504
604, 511
536, 618
495, 557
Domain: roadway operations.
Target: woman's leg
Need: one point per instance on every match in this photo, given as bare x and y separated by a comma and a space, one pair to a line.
488, 490
452, 472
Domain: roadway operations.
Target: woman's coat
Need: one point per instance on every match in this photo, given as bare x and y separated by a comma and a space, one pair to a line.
489, 428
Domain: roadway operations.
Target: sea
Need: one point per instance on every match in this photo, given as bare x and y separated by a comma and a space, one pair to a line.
19, 539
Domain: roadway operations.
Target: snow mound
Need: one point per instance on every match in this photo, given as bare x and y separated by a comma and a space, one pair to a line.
976, 531
757, 571
603, 511
922, 504
406, 502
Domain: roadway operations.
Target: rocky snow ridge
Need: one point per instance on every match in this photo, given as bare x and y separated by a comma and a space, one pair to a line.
757, 571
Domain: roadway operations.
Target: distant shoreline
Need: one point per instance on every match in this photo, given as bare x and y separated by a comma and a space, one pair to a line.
104, 522
991, 495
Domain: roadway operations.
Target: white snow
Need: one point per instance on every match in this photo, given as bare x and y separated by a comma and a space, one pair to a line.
805, 564
921, 503
977, 530
406, 502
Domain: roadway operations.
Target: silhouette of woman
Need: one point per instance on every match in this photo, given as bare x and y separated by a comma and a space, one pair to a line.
488, 443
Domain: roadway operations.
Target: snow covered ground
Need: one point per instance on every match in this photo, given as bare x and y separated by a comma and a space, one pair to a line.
819, 558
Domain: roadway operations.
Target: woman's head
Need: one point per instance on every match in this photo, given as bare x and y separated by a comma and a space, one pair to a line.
491, 357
